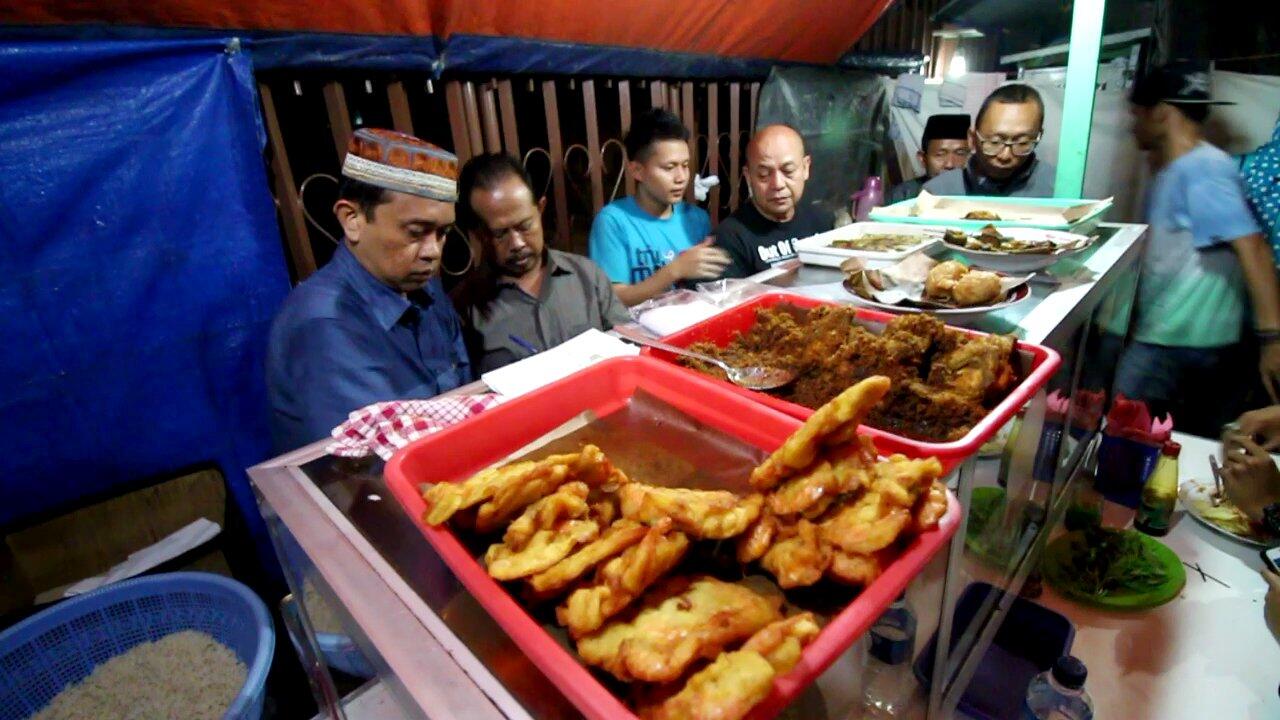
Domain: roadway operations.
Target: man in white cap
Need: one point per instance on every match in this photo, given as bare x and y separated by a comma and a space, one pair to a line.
374, 323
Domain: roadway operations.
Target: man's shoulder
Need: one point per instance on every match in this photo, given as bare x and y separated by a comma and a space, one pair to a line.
691, 211
950, 182
738, 221
321, 299
620, 208
575, 263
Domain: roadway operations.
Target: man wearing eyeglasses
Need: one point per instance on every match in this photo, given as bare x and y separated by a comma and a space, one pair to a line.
944, 146
1004, 139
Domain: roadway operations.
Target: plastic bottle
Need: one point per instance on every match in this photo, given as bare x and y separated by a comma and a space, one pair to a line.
1160, 493
871, 196
1059, 694
888, 684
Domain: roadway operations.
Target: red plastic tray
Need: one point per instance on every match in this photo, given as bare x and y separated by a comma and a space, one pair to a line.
496, 433
1039, 364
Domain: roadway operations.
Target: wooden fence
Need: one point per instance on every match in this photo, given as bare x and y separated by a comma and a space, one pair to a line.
567, 131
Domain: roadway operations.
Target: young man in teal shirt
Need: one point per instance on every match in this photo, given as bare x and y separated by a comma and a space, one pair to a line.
1206, 260
648, 242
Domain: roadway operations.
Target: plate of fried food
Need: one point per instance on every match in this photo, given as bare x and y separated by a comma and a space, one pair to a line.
1223, 516
1016, 249
723, 595
880, 243
950, 289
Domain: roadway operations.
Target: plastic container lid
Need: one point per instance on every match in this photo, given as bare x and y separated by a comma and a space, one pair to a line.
1070, 672
1171, 448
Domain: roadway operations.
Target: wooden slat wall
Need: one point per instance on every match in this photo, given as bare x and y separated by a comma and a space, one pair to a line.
905, 27
489, 116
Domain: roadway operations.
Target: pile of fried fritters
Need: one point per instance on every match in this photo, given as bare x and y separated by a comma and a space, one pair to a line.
579, 530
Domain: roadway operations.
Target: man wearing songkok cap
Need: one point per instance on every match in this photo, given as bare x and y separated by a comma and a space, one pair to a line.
374, 323
1205, 263
944, 146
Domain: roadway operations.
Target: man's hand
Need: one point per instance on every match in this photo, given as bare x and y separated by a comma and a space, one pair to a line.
700, 262
1249, 475
1263, 425
1269, 365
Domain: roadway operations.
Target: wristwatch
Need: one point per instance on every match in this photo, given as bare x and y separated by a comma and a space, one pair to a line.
1266, 337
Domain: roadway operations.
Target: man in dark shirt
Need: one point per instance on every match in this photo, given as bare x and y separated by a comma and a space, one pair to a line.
523, 297
374, 323
943, 146
1005, 134
762, 233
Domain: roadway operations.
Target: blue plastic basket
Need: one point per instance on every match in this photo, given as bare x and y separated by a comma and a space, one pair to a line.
45, 653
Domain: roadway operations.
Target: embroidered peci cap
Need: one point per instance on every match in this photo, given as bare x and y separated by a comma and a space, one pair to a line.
400, 162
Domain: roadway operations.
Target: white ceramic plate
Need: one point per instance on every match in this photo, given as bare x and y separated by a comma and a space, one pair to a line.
1193, 493
817, 250
954, 315
1024, 262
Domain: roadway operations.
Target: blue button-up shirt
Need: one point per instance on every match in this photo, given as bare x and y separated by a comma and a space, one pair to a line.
344, 340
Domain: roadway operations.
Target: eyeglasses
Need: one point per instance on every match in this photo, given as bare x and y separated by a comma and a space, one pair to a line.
1019, 146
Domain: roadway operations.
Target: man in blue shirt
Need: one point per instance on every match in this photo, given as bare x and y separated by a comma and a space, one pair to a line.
373, 324
649, 241
1206, 263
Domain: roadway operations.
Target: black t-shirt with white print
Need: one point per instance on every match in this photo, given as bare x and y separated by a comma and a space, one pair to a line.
755, 243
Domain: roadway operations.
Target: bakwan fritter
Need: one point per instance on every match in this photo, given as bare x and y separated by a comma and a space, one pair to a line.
943, 381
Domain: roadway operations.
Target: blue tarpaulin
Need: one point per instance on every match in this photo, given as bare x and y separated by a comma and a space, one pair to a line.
141, 265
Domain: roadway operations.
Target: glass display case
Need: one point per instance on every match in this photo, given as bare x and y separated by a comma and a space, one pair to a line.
372, 602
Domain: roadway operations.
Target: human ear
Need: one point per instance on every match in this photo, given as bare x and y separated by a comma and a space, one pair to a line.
350, 218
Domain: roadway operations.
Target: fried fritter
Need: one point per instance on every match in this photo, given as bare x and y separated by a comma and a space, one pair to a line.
902, 480
930, 508
856, 569
545, 548
726, 689
843, 470
678, 622
621, 580
942, 279
619, 536
756, 541
506, 490
869, 524
798, 451
781, 642
977, 287
568, 502
589, 466
799, 557
709, 514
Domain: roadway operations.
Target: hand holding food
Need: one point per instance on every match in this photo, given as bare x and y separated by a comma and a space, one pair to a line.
700, 262
1262, 424
1250, 477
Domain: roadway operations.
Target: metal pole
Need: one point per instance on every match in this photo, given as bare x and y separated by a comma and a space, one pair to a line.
1077, 105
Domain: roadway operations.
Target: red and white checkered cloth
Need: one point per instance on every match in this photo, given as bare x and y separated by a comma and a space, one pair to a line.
385, 427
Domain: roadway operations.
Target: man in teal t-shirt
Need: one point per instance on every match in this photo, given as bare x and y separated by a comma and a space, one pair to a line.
1206, 258
652, 240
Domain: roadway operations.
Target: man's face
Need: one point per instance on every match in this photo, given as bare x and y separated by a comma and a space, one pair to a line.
663, 174
510, 226
944, 155
1006, 123
1146, 126
776, 174
398, 242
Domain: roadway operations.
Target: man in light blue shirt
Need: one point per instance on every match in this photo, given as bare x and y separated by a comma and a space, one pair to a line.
1206, 261
648, 242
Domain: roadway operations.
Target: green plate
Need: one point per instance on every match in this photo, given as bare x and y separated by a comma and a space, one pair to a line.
1055, 563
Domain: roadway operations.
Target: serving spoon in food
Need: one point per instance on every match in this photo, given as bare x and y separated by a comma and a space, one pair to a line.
751, 377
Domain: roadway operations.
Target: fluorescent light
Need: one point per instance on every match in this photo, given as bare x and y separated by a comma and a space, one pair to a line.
958, 67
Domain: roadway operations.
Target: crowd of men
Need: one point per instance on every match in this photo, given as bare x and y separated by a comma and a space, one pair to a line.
375, 323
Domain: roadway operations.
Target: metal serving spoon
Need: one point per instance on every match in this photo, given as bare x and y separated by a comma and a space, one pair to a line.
751, 377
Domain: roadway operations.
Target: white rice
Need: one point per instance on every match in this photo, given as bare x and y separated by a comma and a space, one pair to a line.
184, 676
